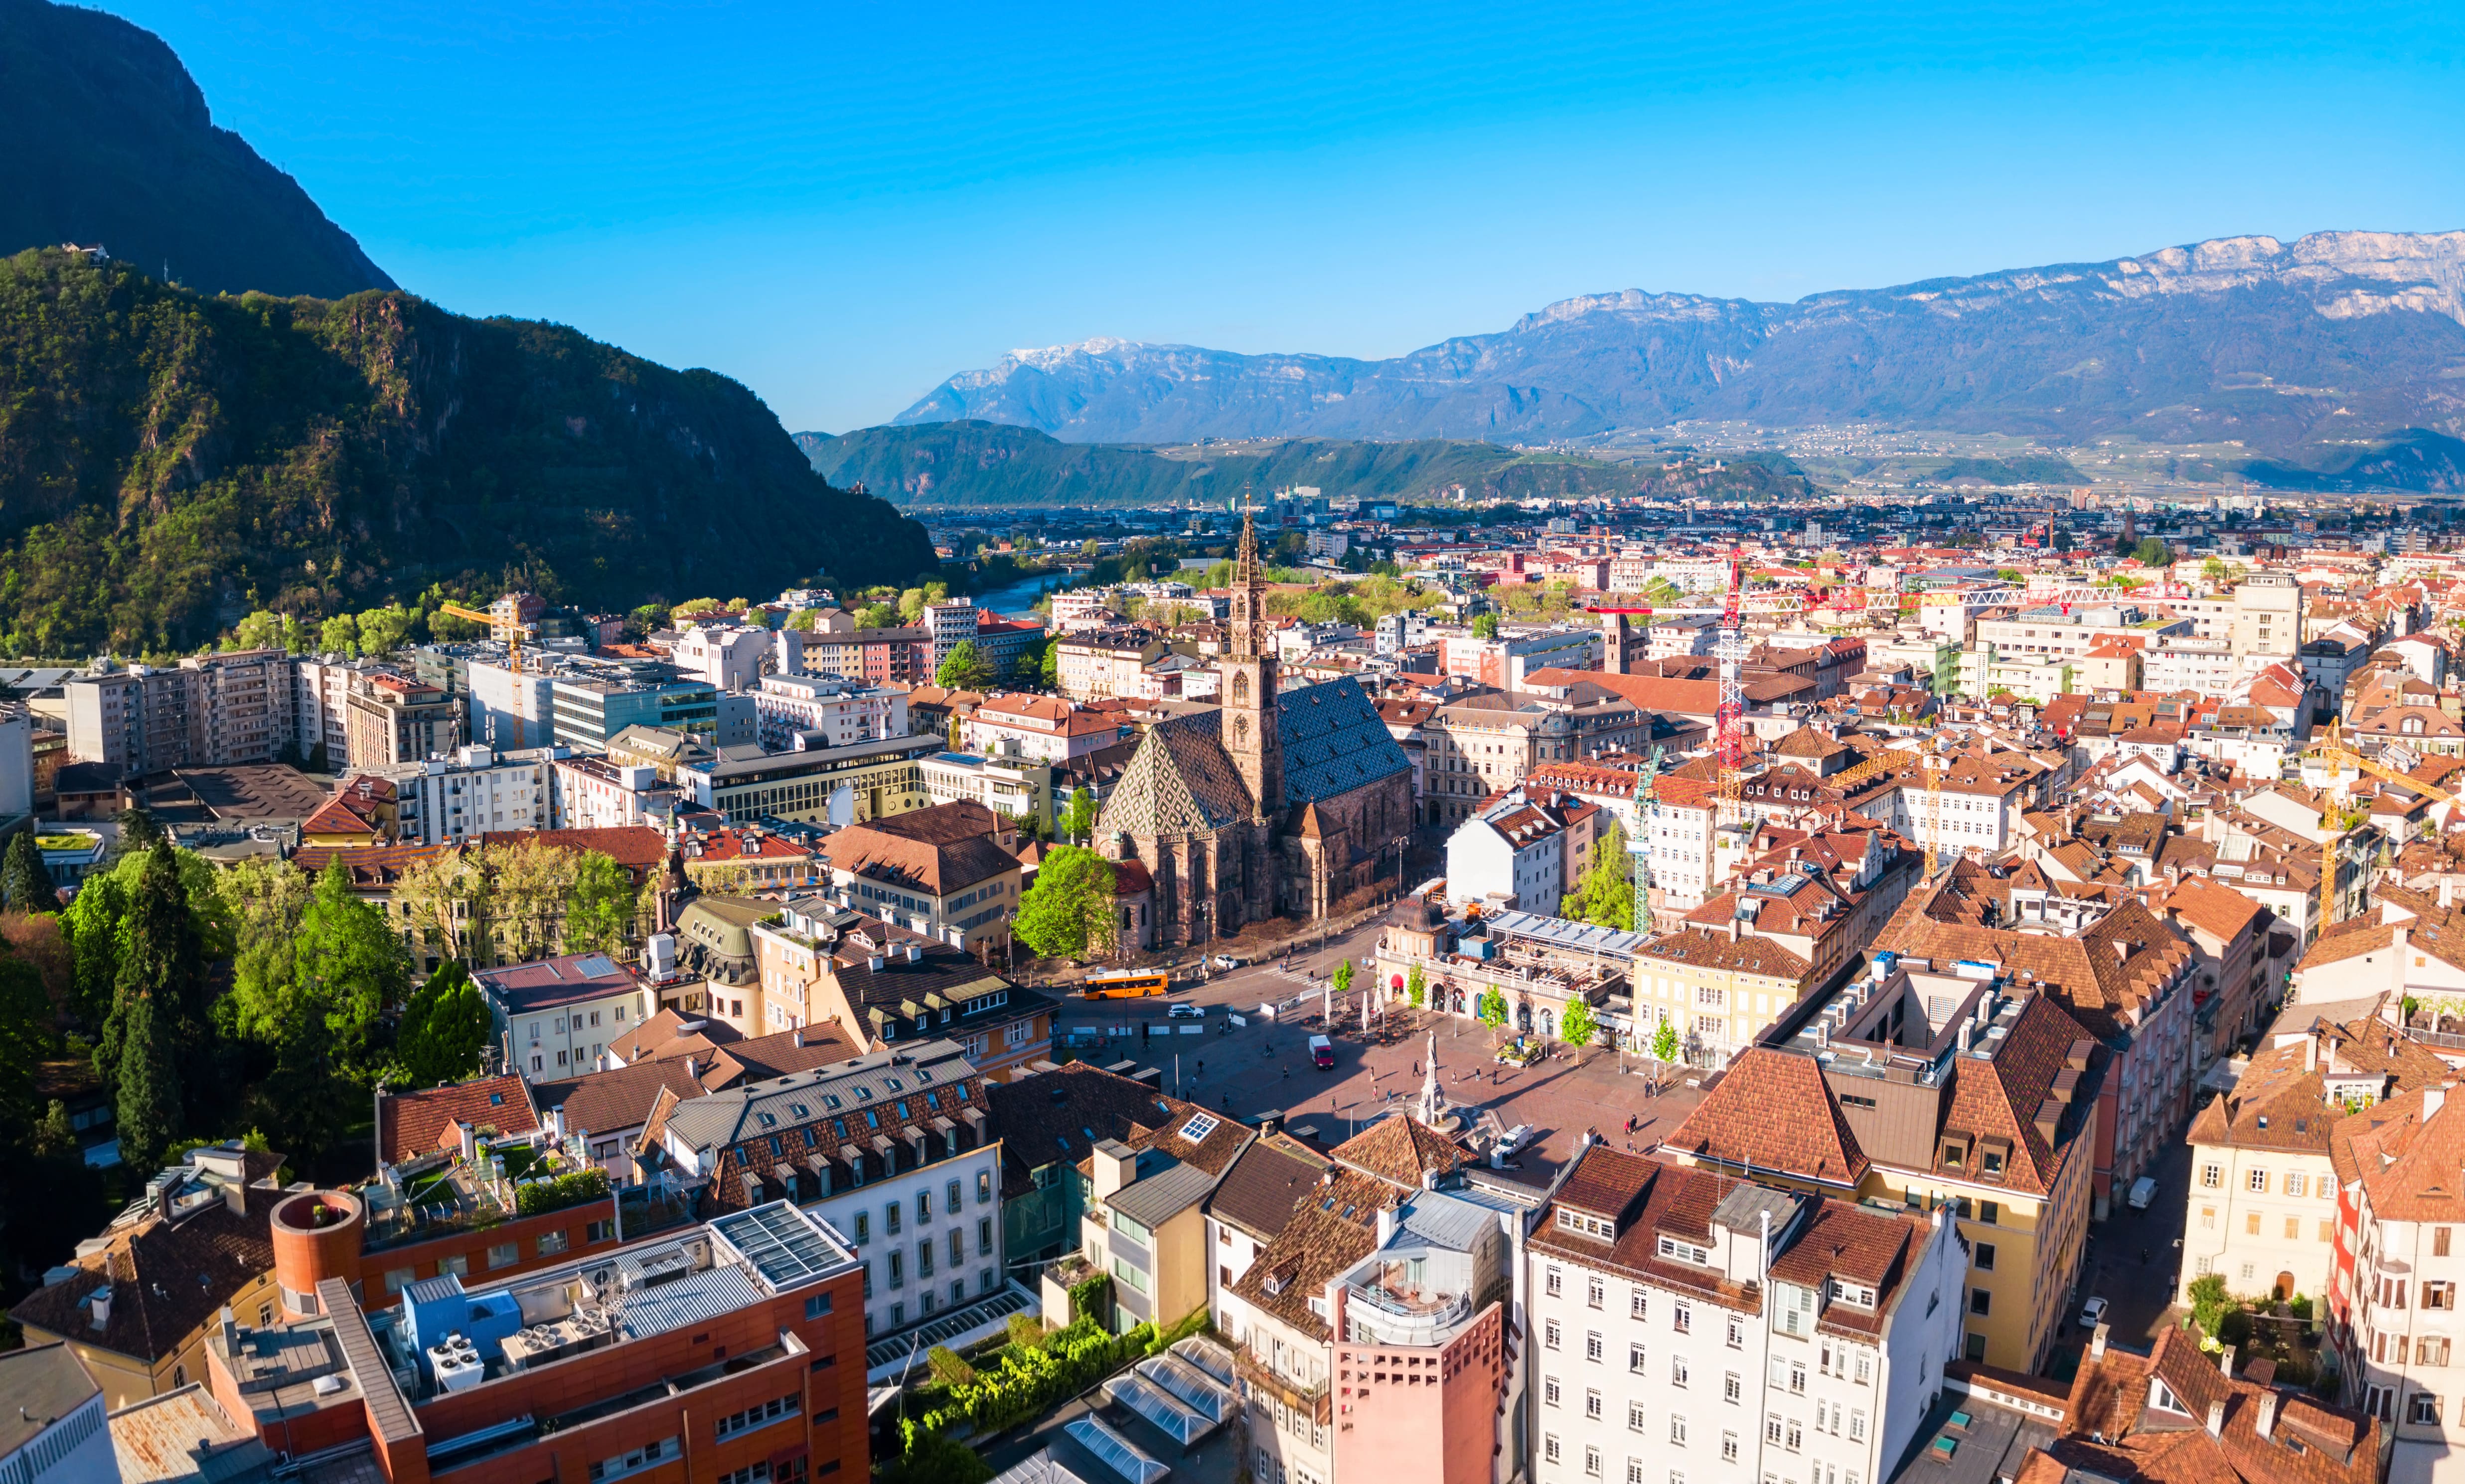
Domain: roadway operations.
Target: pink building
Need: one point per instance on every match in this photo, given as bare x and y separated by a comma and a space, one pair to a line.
1421, 1364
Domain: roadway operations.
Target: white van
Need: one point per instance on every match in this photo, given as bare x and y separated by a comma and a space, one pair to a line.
2142, 1191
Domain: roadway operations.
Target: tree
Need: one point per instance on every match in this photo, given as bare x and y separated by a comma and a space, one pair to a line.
1485, 627
965, 668
2153, 552
1577, 1027
935, 1459
911, 605
1068, 913
384, 630
1079, 823
1027, 669
1606, 894
876, 615
444, 1030
138, 831
24, 880
1049, 669
1416, 986
157, 1018
1342, 977
339, 635
1492, 1009
599, 907
1664, 1042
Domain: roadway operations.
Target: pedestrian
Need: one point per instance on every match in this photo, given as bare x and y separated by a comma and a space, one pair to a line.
1288, 1072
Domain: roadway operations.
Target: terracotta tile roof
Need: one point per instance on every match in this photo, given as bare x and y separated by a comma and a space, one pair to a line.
411, 1124
1399, 1149
932, 864
1745, 955
167, 1279
1060, 1117
637, 848
608, 1102
1772, 1112
1331, 1227
1266, 1185
2114, 1425
2106, 974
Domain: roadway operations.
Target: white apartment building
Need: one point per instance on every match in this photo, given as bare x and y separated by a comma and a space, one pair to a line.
2263, 1208
1693, 1329
2262, 618
1518, 850
842, 711
450, 800
730, 657
320, 690
949, 625
2188, 662
895, 1150
1040, 728
2394, 1317
1084, 609
593, 793
1017, 790
2053, 632
60, 1434
209, 711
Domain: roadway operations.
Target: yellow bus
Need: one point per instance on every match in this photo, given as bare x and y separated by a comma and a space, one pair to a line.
1124, 984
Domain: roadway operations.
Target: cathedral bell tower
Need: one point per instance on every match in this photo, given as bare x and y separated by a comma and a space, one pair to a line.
1249, 669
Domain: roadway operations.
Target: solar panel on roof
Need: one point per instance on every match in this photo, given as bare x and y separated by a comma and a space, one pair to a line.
782, 1246
1115, 1451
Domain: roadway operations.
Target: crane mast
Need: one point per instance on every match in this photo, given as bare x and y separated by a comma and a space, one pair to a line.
1730, 719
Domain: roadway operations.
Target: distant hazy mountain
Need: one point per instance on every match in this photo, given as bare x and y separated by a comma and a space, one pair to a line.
108, 141
2338, 336
997, 465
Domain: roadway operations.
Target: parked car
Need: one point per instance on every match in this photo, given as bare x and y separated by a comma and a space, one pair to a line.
1321, 1053
1187, 1012
1225, 961
2092, 1314
1514, 1139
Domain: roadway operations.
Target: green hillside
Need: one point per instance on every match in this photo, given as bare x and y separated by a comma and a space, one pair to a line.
170, 461
998, 465
2410, 458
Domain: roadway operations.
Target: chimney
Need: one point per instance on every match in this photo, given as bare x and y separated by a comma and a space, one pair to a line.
2096, 1341
1116, 1165
799, 1034
98, 1305
2224, 1361
2217, 1419
1386, 1225
231, 1332
2266, 1424
693, 1068
470, 1143
2433, 1098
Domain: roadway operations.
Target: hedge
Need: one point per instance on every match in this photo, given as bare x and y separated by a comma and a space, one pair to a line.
542, 1196
1031, 1382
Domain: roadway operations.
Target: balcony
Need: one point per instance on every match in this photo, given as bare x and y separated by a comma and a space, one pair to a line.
1260, 1379
1390, 1310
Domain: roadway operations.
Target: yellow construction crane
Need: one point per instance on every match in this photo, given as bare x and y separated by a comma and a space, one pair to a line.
514, 632
2331, 749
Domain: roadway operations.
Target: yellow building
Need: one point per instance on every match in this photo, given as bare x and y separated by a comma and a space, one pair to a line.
1719, 992
147, 1291
1920, 1086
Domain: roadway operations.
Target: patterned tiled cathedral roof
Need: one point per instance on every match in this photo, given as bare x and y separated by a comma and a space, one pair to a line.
1181, 780
1334, 742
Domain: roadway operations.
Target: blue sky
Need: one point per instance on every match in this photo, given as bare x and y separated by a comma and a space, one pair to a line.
841, 205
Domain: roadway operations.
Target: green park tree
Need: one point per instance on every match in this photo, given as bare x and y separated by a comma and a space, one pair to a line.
1068, 913
1577, 1027
1078, 821
2153, 552
1664, 1042
966, 668
599, 907
1342, 977
444, 1030
1606, 894
157, 1018
1492, 1009
24, 880
1485, 627
1416, 986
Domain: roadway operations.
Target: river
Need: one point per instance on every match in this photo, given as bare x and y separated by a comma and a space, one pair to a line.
1019, 597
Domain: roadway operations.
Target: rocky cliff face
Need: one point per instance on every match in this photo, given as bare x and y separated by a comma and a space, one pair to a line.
2333, 336
110, 141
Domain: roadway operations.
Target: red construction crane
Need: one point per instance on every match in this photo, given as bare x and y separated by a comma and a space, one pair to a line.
1730, 719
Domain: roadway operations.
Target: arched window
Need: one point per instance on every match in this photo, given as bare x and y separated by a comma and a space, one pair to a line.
1240, 687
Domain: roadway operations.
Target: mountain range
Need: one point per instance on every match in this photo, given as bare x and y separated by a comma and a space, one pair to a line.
171, 460
2296, 349
110, 143
1000, 465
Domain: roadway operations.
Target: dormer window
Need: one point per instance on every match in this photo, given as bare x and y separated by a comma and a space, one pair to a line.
1587, 1224
1955, 1153
1684, 1251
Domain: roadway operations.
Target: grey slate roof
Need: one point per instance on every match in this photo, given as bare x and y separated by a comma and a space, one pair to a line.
1164, 1195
